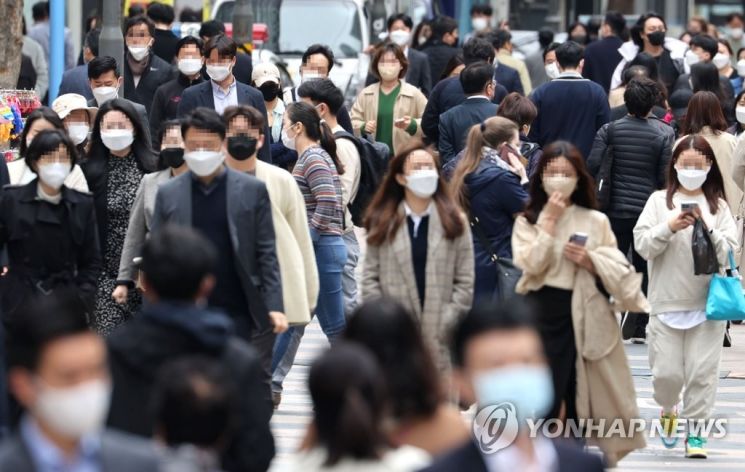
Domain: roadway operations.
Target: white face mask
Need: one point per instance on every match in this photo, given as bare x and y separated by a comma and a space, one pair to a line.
692, 58
740, 114
306, 76
692, 179
400, 37
421, 40
741, 67
218, 73
203, 163
552, 70
78, 132
560, 183
721, 60
138, 53
104, 94
423, 183
54, 174
189, 66
76, 411
117, 139
735, 33
479, 24
288, 141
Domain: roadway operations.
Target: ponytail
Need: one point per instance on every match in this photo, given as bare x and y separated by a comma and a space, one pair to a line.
315, 128
328, 143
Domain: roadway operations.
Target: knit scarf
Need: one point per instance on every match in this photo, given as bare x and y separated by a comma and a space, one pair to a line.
138, 67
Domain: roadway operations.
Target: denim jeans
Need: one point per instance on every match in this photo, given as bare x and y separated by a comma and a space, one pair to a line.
348, 280
331, 257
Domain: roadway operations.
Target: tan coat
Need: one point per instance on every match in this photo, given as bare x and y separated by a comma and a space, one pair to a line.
409, 102
297, 261
389, 271
506, 58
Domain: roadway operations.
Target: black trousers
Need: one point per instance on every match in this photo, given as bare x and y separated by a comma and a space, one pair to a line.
623, 228
262, 340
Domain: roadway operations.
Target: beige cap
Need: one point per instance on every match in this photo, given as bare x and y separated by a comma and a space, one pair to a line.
265, 72
69, 102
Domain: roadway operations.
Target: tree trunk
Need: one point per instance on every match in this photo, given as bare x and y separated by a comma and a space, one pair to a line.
11, 42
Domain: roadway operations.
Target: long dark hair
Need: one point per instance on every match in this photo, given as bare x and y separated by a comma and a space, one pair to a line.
315, 129
141, 149
390, 332
738, 126
382, 218
348, 394
584, 194
705, 77
713, 187
43, 113
704, 110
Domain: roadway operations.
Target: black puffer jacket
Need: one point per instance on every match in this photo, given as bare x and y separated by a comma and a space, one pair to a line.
641, 152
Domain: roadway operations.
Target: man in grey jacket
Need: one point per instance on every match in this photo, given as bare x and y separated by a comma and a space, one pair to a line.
33, 50
59, 373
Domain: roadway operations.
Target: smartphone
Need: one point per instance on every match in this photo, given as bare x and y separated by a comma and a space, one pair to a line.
580, 239
688, 207
399, 120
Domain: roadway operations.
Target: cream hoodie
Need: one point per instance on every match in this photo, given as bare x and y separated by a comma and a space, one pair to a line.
672, 283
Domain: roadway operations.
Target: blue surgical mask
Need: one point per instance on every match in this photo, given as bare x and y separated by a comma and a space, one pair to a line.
529, 388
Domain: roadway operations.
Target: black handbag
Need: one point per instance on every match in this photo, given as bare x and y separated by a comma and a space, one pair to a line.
604, 173
507, 273
704, 253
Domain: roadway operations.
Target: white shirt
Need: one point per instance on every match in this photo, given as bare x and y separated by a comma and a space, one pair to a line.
683, 319
224, 99
416, 218
349, 156
513, 459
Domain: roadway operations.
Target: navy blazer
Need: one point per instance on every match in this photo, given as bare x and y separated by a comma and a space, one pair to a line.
469, 458
201, 96
508, 78
251, 233
456, 122
76, 80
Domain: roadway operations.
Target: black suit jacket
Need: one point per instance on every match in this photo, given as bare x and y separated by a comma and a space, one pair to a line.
508, 78
417, 75
601, 59
156, 74
201, 96
456, 122
469, 458
438, 55
251, 232
75, 80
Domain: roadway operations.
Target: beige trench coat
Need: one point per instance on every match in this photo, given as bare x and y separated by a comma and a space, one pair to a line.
389, 271
409, 102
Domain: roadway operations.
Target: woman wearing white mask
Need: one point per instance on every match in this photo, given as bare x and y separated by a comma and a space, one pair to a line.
120, 156
723, 61
37, 121
684, 347
551, 242
49, 229
77, 117
390, 110
419, 249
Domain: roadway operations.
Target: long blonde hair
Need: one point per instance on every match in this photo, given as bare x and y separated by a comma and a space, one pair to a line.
490, 133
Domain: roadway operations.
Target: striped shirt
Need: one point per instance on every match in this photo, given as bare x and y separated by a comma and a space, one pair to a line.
319, 183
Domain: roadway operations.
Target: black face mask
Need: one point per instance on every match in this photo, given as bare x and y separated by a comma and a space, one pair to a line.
656, 38
172, 157
270, 91
242, 147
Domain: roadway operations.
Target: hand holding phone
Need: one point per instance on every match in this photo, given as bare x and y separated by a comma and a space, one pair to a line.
580, 239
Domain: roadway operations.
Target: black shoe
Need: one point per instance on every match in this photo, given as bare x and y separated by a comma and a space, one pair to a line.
628, 325
639, 336
727, 339
276, 399
736, 321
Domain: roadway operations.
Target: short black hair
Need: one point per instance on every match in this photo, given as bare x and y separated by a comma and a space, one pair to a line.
45, 320
139, 20
505, 316
501, 38
41, 113
443, 25
616, 21
211, 28
175, 260
101, 65
206, 119
318, 49
476, 76
186, 40
569, 54
194, 402
254, 117
733, 16
482, 8
40, 11
91, 40
707, 43
476, 50
545, 37
640, 96
322, 91
48, 141
403, 17
135, 10
166, 125
161, 13
549, 48
226, 47
190, 15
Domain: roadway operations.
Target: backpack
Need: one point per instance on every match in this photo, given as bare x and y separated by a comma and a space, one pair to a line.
374, 159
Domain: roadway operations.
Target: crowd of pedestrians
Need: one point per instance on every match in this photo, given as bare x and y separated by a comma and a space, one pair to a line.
465, 233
